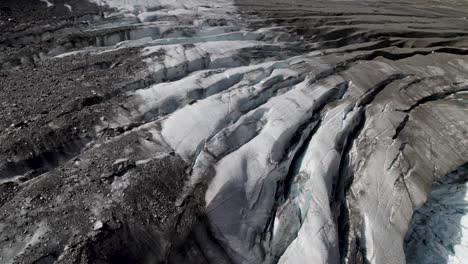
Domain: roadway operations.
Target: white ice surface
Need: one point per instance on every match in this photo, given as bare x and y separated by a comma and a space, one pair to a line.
49, 4
69, 7
139, 5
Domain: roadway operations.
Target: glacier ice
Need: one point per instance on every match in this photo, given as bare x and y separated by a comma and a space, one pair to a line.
293, 132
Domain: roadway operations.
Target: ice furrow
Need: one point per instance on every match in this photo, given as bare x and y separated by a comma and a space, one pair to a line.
267, 168
230, 105
157, 99
430, 98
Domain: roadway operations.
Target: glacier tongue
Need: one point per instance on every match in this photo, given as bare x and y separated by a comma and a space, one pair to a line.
295, 150
242, 132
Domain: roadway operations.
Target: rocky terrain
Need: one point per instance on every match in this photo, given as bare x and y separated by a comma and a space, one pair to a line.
233, 131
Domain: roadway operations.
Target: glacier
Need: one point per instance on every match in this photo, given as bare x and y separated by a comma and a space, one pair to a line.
239, 132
